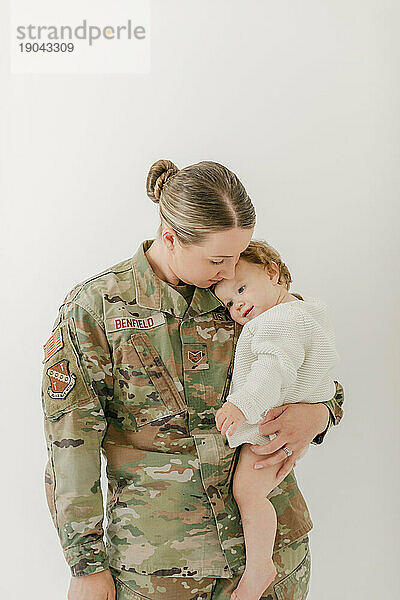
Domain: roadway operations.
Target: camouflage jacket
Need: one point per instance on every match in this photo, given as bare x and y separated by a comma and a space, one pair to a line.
134, 373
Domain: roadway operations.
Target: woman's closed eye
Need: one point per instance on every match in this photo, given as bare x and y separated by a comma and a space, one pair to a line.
214, 262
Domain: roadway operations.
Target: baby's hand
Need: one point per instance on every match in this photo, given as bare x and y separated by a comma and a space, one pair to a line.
229, 417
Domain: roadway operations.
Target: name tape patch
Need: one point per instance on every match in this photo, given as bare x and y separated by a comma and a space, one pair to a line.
118, 323
54, 343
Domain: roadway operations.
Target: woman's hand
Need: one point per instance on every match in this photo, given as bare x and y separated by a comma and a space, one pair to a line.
99, 586
295, 426
229, 417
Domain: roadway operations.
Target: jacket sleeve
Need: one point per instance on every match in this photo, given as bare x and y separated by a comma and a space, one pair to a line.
76, 381
279, 347
334, 406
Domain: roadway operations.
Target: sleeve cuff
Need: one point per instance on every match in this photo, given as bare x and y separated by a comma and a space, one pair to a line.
87, 559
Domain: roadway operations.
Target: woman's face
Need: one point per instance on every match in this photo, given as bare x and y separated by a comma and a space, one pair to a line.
212, 260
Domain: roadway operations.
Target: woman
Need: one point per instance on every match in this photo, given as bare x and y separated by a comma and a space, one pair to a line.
139, 361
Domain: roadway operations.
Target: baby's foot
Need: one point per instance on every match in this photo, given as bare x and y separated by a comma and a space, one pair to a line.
252, 584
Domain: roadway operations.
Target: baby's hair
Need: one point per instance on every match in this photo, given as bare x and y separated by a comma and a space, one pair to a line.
261, 253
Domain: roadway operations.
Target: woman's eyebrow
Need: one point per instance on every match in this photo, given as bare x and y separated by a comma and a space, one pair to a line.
221, 256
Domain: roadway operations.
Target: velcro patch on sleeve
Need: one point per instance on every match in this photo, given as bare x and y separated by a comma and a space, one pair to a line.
64, 386
61, 380
53, 344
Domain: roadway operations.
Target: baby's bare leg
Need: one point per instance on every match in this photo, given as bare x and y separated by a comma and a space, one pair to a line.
250, 489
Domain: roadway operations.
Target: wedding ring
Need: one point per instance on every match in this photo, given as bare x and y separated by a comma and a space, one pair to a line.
288, 452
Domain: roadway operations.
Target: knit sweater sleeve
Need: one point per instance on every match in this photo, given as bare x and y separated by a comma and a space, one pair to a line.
278, 343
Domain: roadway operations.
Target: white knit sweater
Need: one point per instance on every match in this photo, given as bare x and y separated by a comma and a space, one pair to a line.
283, 355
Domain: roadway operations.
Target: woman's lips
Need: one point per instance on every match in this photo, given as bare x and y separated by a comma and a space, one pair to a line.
248, 311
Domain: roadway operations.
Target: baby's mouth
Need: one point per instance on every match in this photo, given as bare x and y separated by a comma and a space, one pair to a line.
248, 311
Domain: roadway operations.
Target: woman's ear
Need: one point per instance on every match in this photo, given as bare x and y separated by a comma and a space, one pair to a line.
169, 238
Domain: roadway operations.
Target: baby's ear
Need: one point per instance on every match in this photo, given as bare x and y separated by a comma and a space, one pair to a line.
273, 271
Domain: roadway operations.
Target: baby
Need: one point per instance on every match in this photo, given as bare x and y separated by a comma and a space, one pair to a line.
284, 353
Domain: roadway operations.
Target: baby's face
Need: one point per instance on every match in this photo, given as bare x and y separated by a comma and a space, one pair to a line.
250, 293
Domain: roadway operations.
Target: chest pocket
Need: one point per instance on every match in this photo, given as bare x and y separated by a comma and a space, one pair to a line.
142, 382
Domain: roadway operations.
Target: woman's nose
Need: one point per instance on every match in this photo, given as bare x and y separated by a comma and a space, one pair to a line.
228, 272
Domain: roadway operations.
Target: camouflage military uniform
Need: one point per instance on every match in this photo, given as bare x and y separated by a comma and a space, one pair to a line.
134, 373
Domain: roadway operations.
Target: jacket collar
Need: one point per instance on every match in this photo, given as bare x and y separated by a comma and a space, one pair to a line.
154, 293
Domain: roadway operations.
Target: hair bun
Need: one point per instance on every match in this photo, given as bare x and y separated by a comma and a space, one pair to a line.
159, 175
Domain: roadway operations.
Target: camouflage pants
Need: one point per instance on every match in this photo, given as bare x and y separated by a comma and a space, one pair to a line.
293, 565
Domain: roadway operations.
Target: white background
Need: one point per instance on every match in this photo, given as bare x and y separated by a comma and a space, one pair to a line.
301, 100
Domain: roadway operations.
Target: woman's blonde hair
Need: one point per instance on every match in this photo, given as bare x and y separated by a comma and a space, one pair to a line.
199, 199
261, 253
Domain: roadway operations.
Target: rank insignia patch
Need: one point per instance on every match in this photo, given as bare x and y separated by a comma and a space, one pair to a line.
62, 381
54, 343
195, 357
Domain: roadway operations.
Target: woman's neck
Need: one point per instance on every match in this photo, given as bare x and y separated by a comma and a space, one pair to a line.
158, 258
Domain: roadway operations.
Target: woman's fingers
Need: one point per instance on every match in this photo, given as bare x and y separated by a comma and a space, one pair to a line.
288, 462
274, 458
271, 426
271, 447
286, 467
272, 414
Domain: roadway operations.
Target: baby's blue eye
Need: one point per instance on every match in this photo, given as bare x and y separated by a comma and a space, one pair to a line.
229, 304
240, 290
